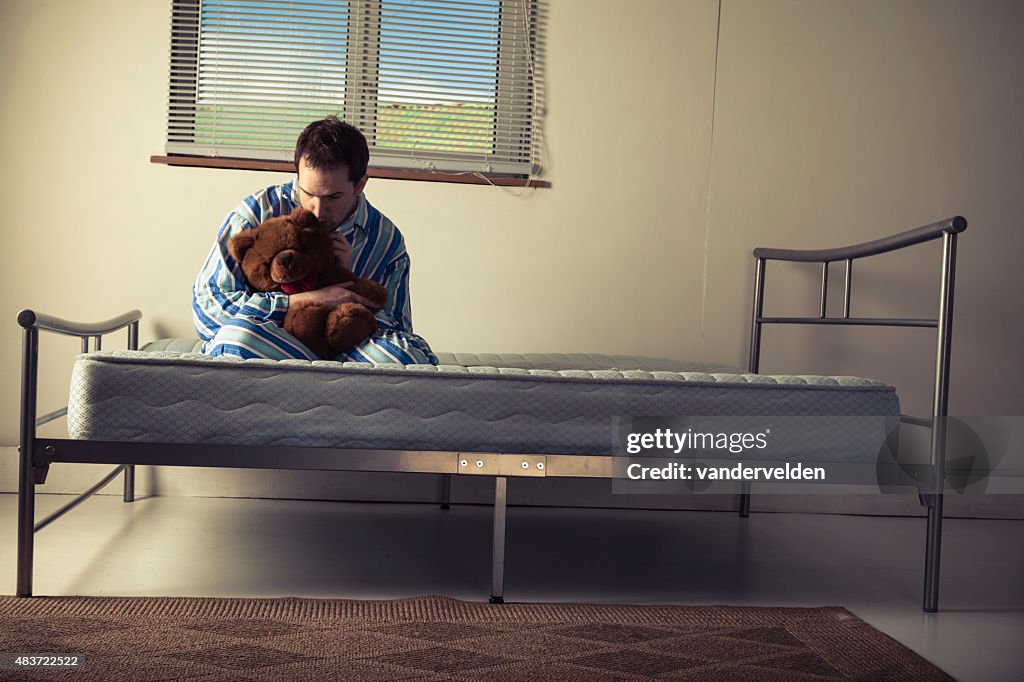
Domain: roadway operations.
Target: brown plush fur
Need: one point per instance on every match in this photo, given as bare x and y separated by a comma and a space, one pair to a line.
288, 249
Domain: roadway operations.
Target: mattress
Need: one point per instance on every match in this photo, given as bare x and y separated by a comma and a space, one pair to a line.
543, 404
555, 361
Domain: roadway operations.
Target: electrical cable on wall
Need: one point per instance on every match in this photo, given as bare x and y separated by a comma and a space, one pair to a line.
707, 204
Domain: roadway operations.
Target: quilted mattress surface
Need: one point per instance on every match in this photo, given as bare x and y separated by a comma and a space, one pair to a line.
554, 404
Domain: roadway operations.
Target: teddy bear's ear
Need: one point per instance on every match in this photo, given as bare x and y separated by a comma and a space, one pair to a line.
303, 218
241, 243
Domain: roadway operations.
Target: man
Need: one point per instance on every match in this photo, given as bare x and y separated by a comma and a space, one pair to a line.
331, 158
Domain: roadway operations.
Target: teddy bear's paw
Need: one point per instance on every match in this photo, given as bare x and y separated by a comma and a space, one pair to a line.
349, 325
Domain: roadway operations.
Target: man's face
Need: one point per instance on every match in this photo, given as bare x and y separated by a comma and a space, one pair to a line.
328, 193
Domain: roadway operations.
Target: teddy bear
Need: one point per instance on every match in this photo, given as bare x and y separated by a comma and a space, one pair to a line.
294, 254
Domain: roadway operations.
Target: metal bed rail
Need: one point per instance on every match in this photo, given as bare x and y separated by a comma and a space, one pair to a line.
500, 466
946, 230
32, 468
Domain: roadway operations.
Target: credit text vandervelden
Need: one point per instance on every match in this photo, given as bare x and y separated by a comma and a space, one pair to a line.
739, 471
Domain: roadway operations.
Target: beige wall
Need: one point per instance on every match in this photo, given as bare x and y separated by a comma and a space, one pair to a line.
833, 122
837, 122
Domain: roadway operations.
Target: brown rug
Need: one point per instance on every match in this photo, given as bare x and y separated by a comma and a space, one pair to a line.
437, 638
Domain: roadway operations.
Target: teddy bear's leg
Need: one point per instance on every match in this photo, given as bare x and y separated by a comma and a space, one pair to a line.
308, 323
348, 325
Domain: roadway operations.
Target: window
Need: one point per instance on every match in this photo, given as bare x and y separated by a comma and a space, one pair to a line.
441, 85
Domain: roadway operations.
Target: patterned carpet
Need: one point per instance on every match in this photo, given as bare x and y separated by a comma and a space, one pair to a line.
437, 638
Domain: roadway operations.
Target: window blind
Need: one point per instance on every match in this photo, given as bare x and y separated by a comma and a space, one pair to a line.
447, 85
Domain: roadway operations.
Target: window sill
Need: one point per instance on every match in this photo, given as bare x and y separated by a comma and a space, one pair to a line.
385, 173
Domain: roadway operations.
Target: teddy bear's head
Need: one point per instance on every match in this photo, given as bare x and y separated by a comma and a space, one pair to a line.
284, 253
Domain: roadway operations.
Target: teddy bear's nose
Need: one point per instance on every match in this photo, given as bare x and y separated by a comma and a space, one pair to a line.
286, 258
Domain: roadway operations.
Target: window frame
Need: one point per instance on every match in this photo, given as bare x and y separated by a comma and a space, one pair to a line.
362, 39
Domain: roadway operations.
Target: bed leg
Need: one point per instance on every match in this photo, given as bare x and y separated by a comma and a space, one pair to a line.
26, 468
446, 491
940, 408
745, 499
129, 483
498, 548
754, 363
933, 551
933, 499
26, 523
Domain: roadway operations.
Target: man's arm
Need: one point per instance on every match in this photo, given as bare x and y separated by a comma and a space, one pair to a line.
332, 296
394, 316
397, 312
382, 257
220, 294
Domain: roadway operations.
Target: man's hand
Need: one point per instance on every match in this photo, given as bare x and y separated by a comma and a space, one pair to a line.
342, 249
333, 296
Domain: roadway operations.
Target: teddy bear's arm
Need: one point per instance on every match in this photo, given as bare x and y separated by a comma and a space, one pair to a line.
335, 275
367, 288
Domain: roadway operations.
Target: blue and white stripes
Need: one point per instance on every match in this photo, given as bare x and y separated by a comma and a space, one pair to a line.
233, 320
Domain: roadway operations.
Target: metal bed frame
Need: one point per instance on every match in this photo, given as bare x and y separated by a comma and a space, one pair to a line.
37, 454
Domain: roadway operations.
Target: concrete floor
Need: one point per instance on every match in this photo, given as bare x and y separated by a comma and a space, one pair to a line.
245, 547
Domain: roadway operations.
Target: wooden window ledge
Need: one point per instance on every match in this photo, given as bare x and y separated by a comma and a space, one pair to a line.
385, 173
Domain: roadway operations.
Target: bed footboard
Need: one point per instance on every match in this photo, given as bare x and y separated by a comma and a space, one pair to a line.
32, 469
947, 231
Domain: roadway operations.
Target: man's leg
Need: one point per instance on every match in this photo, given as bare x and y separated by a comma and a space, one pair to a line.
387, 348
247, 338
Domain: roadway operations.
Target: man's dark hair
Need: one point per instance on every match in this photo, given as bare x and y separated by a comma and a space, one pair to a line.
329, 143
